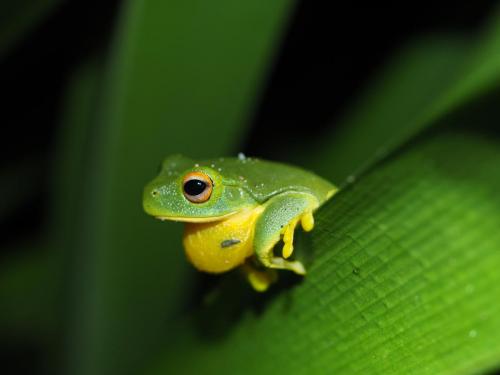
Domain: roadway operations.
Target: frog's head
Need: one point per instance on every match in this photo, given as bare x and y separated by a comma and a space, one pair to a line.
185, 190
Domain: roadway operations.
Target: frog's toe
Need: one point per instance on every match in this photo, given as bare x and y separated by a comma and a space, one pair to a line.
294, 266
307, 221
288, 238
260, 280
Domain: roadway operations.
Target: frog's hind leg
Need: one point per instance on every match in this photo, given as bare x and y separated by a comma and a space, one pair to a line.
280, 217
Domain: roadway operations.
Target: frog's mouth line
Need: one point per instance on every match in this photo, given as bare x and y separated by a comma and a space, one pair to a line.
194, 219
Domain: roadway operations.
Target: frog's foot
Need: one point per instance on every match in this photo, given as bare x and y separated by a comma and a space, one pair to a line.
260, 280
283, 264
278, 221
307, 222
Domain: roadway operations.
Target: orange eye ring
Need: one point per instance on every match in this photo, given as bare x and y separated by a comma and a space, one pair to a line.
197, 187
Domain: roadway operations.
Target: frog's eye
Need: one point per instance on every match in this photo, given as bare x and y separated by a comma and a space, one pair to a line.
197, 187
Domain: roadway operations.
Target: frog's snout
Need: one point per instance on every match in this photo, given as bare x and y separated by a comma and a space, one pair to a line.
150, 199
150, 192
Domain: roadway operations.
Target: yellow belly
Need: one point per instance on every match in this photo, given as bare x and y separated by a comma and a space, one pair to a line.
221, 245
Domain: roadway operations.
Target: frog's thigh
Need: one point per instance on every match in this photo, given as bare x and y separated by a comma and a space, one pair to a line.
282, 213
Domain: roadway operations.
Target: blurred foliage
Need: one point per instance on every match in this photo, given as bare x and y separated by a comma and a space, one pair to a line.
403, 269
19, 17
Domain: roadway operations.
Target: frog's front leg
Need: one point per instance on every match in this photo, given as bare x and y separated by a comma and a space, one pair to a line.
280, 217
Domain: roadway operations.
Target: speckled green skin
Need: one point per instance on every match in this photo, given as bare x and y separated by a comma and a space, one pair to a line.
284, 191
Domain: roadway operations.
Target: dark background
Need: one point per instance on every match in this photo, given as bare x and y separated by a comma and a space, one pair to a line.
335, 47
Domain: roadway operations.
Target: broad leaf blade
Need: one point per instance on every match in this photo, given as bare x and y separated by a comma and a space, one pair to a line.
405, 278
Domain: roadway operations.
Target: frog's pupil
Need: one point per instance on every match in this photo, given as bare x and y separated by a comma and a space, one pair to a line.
194, 187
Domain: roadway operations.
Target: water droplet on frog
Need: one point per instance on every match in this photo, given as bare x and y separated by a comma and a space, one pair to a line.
356, 271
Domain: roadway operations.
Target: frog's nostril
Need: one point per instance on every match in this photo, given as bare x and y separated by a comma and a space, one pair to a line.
154, 193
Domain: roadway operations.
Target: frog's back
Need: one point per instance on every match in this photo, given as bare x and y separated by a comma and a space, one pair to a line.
264, 179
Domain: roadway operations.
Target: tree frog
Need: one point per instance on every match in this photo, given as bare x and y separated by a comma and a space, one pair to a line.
236, 210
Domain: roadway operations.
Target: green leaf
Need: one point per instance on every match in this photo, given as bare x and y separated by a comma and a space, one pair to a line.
179, 73
423, 84
33, 276
404, 279
29, 292
19, 17
82, 98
